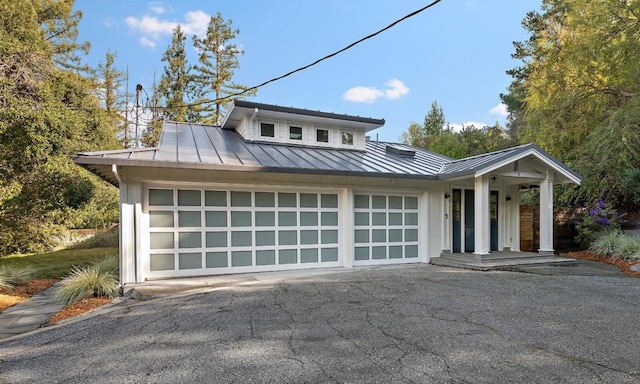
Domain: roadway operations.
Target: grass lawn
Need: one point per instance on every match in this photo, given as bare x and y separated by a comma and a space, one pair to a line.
56, 265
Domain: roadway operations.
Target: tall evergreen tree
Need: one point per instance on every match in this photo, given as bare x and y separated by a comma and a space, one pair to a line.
434, 121
176, 84
110, 80
217, 62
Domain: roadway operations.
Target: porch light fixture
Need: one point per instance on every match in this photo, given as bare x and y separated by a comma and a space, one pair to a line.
446, 195
508, 198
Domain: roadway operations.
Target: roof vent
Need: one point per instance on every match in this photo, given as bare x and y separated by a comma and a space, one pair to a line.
400, 151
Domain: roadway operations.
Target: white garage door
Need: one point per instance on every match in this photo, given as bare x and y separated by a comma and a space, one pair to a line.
386, 229
216, 231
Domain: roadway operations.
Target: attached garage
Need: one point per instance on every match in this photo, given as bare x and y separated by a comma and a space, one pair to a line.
219, 231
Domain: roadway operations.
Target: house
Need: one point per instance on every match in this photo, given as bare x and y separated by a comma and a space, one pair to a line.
278, 188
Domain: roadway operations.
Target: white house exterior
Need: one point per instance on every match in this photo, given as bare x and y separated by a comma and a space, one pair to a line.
276, 188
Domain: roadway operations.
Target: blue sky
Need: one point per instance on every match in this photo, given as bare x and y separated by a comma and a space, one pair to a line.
455, 53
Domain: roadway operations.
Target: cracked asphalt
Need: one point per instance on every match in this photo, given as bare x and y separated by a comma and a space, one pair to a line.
407, 324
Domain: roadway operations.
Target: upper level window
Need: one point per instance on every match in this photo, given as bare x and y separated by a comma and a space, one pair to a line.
295, 133
322, 135
347, 138
267, 130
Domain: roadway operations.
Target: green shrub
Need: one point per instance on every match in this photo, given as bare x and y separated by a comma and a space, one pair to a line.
599, 218
627, 247
110, 263
10, 275
606, 243
90, 281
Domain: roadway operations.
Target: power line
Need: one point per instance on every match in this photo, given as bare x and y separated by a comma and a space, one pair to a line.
410, 15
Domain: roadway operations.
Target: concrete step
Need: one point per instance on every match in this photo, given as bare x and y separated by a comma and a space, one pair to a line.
468, 262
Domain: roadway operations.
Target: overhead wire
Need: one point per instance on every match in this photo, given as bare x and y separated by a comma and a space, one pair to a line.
316, 62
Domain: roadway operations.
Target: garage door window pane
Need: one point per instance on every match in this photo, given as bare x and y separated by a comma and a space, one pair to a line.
190, 261
189, 198
361, 201
362, 236
240, 219
379, 235
395, 252
266, 257
329, 218
329, 254
329, 201
329, 237
395, 235
189, 219
309, 255
287, 200
287, 238
410, 235
215, 199
217, 260
161, 219
287, 256
308, 237
395, 202
162, 262
411, 219
160, 197
240, 238
216, 239
240, 199
216, 219
241, 259
362, 218
362, 253
265, 238
410, 251
395, 218
378, 253
410, 202
287, 219
265, 219
379, 202
190, 240
161, 240
308, 200
379, 218
308, 219
265, 199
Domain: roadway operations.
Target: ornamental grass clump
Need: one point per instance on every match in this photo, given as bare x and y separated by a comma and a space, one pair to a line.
99, 280
606, 243
10, 276
627, 247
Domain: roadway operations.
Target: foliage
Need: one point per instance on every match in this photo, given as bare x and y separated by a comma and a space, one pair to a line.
627, 247
218, 60
10, 276
599, 218
575, 93
434, 122
109, 81
98, 280
106, 239
605, 243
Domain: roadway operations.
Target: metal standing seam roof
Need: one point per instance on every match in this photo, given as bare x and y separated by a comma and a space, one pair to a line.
188, 145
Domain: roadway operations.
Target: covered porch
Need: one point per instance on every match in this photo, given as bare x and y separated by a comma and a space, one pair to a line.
482, 203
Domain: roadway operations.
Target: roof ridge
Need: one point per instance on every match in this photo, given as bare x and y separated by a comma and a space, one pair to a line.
510, 149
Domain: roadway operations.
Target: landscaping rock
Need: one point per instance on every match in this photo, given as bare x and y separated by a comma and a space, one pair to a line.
635, 268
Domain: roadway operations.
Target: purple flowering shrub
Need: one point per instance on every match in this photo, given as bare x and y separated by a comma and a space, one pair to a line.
596, 220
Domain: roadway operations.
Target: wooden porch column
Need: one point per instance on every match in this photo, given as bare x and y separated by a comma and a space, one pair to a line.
546, 213
481, 216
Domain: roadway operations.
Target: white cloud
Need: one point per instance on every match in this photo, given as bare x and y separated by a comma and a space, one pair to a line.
146, 42
361, 94
499, 110
468, 124
152, 28
108, 22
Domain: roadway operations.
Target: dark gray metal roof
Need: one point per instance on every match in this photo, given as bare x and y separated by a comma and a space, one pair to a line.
196, 146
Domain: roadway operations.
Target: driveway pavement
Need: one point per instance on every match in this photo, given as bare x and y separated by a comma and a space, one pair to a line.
408, 324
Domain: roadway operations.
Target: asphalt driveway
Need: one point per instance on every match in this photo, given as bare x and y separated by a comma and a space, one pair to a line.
382, 325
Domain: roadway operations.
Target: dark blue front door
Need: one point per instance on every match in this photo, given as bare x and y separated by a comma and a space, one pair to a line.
493, 220
456, 218
469, 221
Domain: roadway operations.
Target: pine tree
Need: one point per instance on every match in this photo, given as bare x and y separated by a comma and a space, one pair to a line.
109, 80
176, 84
218, 60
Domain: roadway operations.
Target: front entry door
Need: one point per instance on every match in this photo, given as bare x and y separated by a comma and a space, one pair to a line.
456, 213
469, 221
493, 220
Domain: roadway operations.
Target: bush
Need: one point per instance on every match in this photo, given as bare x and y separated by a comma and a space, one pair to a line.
627, 247
99, 280
597, 219
606, 243
10, 275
